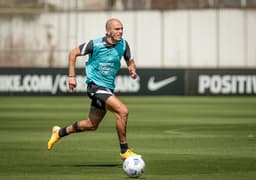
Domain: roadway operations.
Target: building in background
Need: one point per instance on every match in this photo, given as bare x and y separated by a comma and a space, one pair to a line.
41, 32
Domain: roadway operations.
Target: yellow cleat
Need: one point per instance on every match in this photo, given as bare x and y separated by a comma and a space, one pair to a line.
55, 137
128, 153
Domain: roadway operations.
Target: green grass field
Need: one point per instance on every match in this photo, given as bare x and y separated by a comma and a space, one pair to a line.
181, 138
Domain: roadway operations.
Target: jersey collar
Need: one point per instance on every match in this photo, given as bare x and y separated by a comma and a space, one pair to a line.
107, 44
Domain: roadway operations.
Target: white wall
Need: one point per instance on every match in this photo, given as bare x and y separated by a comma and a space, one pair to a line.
232, 38
184, 38
175, 39
203, 39
250, 38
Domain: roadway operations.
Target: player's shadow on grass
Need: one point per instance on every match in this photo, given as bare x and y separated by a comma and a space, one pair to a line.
118, 165
98, 165
91, 165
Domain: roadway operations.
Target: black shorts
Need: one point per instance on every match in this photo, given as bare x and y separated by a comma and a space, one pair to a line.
98, 95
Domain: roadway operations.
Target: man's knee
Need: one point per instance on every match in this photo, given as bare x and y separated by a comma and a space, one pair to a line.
124, 112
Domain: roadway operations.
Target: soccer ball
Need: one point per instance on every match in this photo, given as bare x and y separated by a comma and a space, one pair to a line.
134, 166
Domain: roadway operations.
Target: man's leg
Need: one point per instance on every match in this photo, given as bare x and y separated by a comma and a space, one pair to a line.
120, 110
114, 105
90, 124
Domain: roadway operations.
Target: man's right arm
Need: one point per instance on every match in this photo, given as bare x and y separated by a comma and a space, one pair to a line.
82, 50
72, 64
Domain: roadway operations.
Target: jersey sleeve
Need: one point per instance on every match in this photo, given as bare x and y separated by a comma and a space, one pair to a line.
127, 52
86, 48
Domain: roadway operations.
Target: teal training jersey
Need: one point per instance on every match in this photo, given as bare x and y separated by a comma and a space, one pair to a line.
104, 62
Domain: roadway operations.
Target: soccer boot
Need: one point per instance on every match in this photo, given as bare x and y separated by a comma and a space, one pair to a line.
128, 153
55, 137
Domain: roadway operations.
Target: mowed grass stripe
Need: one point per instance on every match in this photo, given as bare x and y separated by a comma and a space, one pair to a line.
180, 138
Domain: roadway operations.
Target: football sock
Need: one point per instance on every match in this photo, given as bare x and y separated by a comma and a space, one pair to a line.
123, 147
63, 132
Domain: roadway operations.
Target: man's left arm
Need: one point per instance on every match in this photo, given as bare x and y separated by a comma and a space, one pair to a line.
130, 61
132, 68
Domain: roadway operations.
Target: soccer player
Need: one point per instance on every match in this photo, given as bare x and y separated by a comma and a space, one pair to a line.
101, 68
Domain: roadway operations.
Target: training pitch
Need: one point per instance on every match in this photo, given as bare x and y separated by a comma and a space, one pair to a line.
180, 138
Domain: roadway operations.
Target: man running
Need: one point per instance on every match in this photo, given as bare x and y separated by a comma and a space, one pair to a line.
101, 68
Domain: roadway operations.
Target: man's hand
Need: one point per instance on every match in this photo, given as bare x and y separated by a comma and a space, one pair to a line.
72, 83
133, 74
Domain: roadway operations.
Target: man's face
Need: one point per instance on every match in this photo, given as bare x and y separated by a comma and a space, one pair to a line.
115, 32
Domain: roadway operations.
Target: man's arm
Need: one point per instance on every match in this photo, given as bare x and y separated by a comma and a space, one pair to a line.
130, 61
72, 64
132, 68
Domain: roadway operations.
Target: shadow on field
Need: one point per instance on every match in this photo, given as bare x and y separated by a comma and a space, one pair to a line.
90, 165
97, 165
